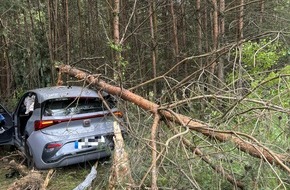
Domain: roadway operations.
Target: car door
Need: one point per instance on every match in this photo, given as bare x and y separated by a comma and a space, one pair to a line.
6, 128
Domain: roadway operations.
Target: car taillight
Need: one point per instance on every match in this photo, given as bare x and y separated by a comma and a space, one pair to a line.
41, 124
52, 146
118, 114
50, 150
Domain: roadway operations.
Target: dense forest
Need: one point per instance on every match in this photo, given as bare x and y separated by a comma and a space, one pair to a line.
223, 63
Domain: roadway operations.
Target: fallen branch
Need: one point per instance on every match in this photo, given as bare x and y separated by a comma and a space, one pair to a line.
89, 179
47, 179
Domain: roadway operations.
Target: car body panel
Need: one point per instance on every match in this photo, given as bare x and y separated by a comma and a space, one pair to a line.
78, 129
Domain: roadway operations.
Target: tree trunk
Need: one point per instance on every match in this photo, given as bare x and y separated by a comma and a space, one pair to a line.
29, 49
152, 15
5, 66
215, 34
174, 32
116, 37
81, 34
240, 48
50, 36
221, 42
199, 44
121, 172
250, 145
67, 33
262, 10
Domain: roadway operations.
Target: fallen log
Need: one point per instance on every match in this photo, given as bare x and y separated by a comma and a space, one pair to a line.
250, 146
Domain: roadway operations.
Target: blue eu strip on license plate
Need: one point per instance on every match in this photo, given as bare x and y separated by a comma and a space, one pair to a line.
89, 142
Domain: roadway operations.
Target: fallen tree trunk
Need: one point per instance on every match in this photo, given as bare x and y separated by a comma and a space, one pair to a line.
251, 146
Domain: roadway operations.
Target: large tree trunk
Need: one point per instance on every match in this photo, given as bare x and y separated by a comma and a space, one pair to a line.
250, 145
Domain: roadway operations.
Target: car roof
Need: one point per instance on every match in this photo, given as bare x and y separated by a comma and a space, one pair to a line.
47, 93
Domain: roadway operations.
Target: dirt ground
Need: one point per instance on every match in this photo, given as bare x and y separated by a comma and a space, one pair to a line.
65, 178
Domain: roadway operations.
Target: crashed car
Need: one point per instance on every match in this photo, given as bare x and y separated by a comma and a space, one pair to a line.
60, 126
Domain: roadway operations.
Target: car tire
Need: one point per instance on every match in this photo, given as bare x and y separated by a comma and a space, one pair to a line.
28, 155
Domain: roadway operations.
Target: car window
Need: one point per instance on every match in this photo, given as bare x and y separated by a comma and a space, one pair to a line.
72, 106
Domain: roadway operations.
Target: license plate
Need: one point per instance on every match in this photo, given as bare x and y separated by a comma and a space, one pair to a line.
89, 142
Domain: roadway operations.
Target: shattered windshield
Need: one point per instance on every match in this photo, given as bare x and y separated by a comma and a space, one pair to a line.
72, 106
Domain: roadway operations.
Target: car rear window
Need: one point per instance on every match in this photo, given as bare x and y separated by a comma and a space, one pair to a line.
72, 106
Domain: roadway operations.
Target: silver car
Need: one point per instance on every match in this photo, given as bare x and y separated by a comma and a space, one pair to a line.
59, 126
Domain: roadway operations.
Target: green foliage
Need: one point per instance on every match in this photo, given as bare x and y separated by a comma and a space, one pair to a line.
115, 47
262, 55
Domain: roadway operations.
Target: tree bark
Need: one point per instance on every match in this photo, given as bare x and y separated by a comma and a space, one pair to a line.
250, 146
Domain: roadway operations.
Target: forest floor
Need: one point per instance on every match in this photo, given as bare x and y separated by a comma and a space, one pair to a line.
65, 178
